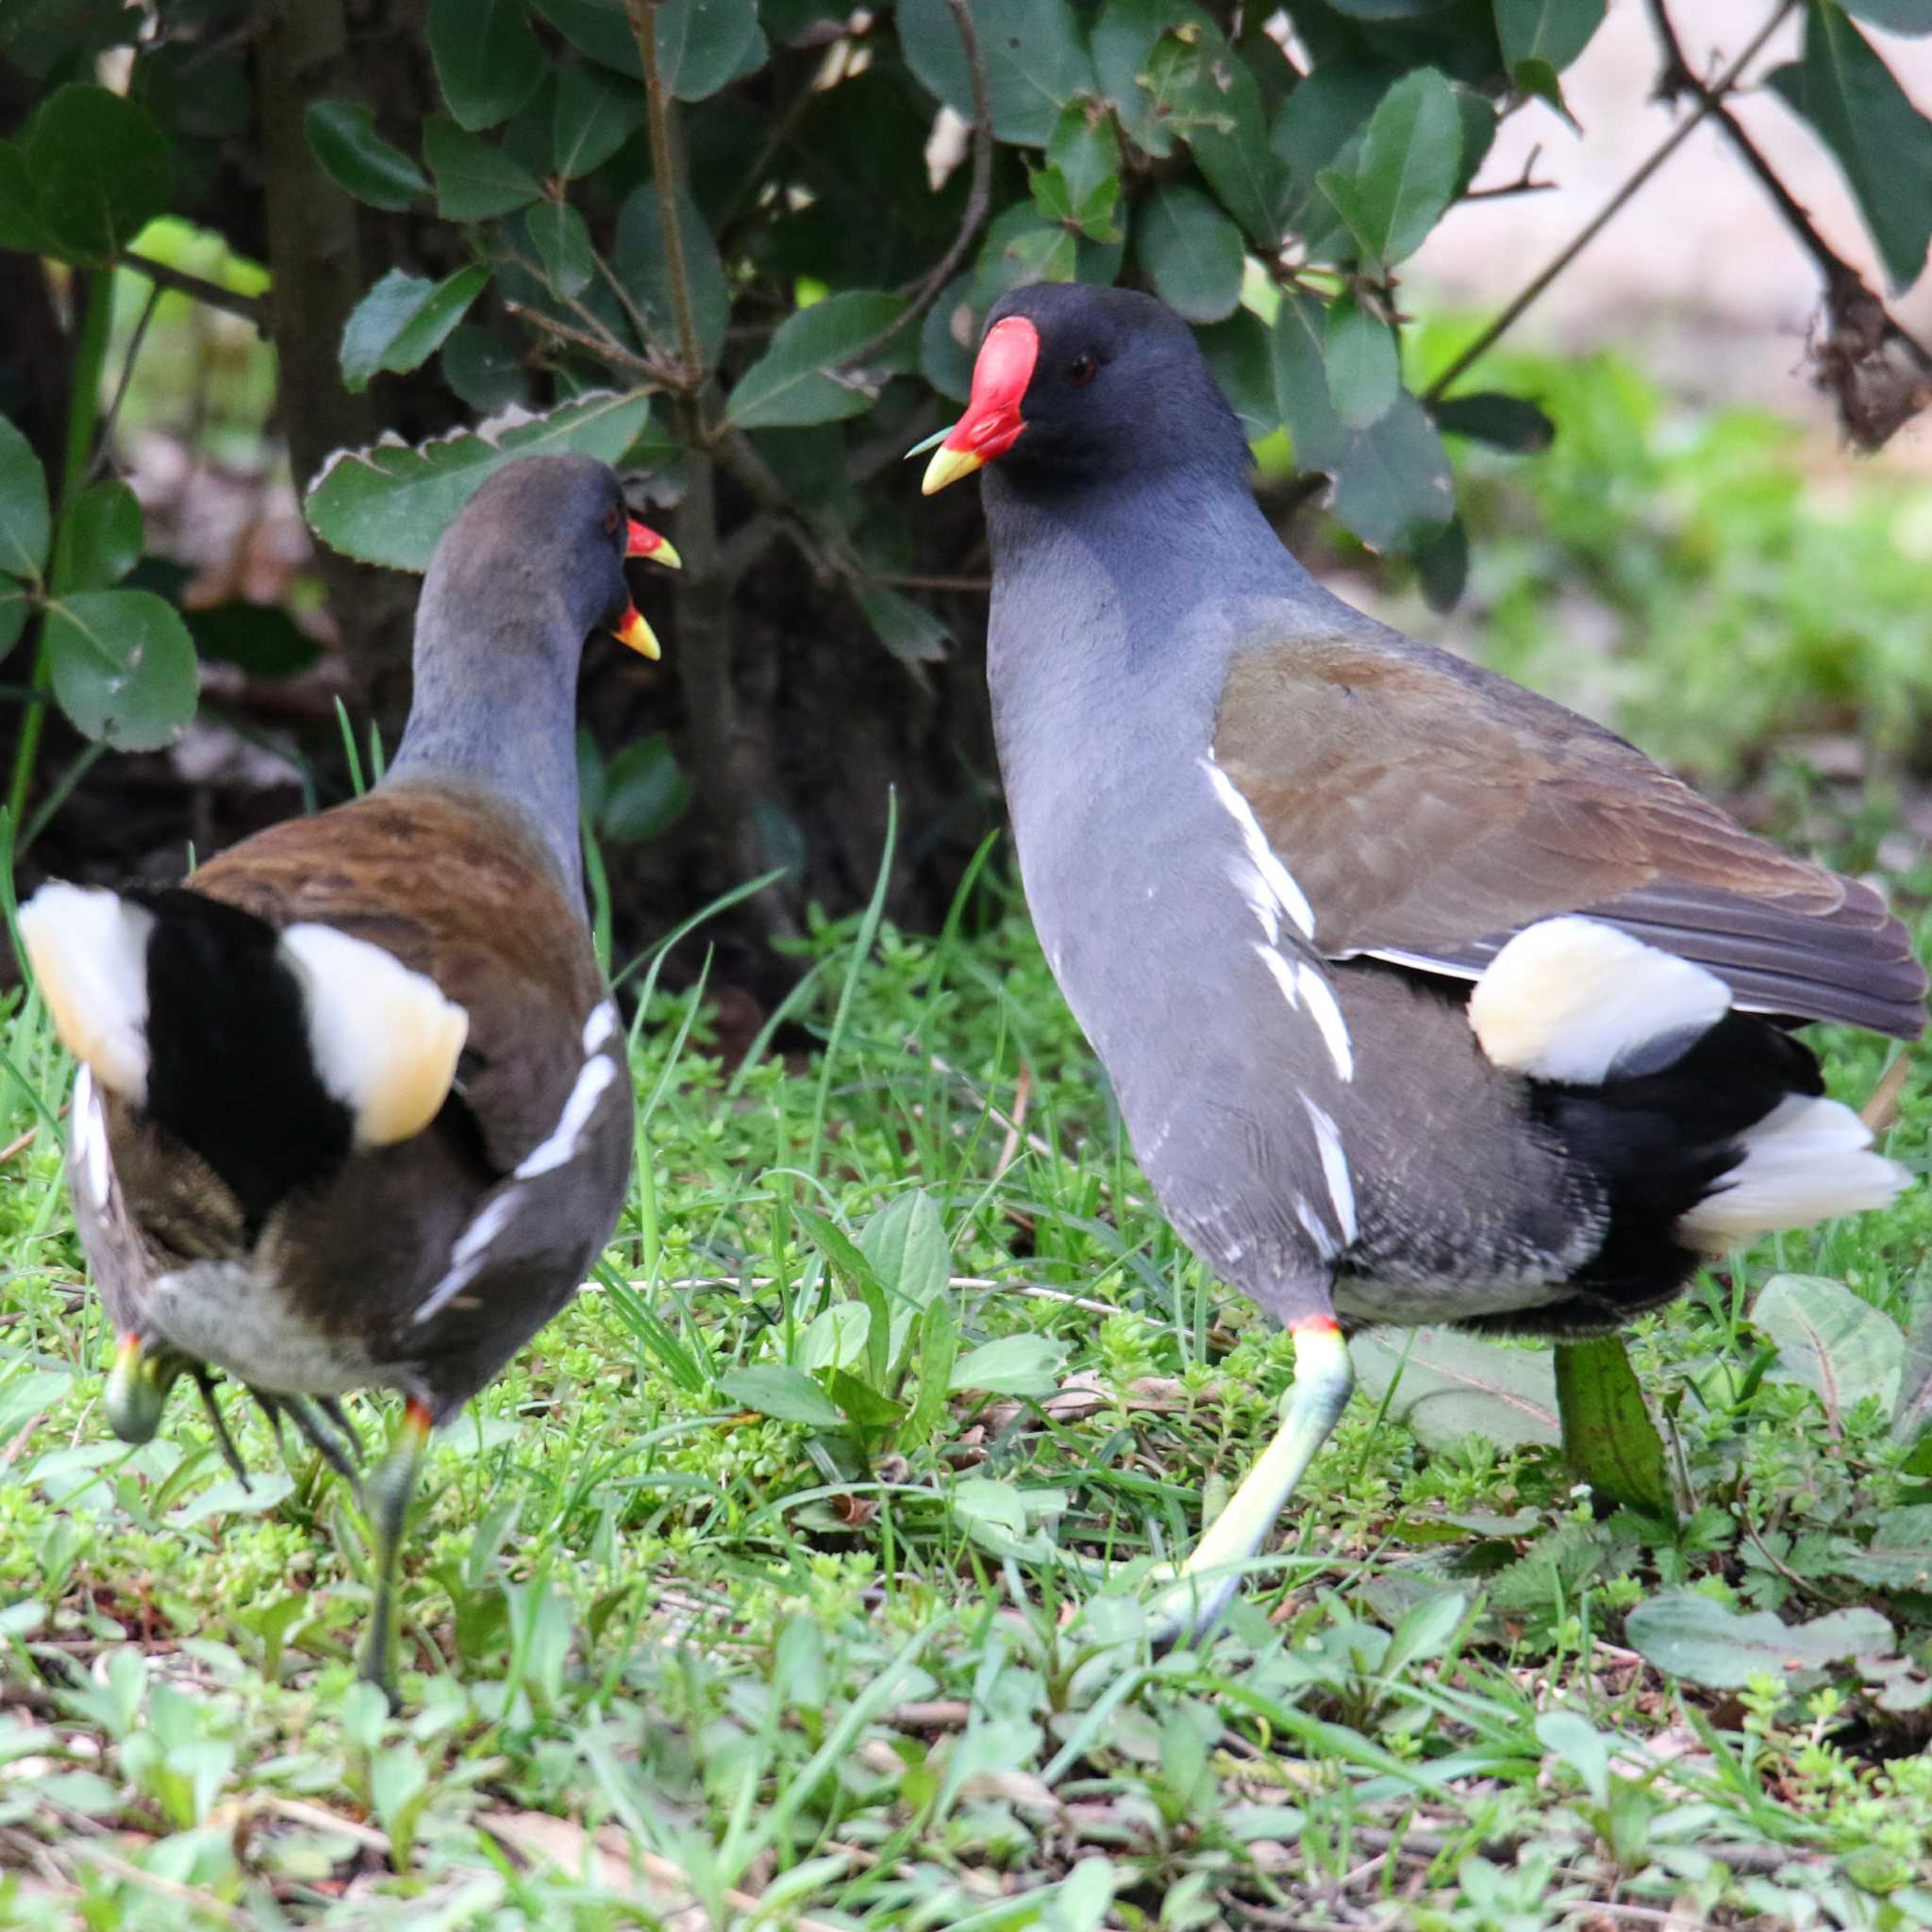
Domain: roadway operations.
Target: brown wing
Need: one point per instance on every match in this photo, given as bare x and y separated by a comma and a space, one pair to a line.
1429, 810
505, 946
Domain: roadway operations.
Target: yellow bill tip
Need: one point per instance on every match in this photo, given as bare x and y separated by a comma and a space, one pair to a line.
948, 465
635, 635
666, 554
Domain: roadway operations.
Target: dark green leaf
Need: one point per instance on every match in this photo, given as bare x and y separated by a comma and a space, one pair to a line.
1449, 1387
563, 246
1319, 126
1609, 1441
1020, 247
1363, 364
343, 138
1478, 118
703, 43
1123, 39
1441, 566
25, 526
1538, 79
645, 791
1405, 176
124, 667
1034, 62
473, 180
101, 170
938, 1349
484, 371
1884, 144
99, 539
1085, 149
1389, 10
1693, 1637
799, 379
1014, 1365
906, 630
389, 503
488, 61
639, 264
863, 1405
947, 339
595, 116
1191, 252
789, 1395
1240, 353
1551, 30
20, 205
1230, 146
15, 609
905, 1242
1489, 416
261, 639
1830, 1340
403, 321
1899, 1557
600, 28
1894, 16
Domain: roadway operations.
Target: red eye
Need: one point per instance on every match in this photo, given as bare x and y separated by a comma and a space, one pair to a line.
1081, 371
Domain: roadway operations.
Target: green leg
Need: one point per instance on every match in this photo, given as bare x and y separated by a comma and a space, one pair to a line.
1203, 1584
386, 1497
137, 1387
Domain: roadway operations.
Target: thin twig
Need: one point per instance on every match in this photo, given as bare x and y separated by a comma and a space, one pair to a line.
606, 348
643, 25
1595, 226
978, 197
1841, 279
19, 1144
103, 436
248, 306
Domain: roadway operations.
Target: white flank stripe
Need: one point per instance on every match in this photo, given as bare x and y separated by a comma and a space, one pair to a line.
1317, 1229
1282, 971
600, 1025
91, 1128
1334, 1170
1274, 876
1320, 999
471, 1252
1254, 889
564, 1138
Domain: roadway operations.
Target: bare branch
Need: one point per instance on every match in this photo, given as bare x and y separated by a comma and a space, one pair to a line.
248, 306
643, 25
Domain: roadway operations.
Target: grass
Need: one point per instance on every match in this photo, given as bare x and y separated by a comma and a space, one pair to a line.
664, 1646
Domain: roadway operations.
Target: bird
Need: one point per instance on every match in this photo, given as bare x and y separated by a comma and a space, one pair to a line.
1424, 1000
353, 1109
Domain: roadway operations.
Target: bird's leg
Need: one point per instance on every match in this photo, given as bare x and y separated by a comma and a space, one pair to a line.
137, 1387
271, 1406
225, 1442
330, 1447
386, 1497
331, 1407
1200, 1590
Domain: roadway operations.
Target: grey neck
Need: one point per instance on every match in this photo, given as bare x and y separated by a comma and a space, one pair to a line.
495, 707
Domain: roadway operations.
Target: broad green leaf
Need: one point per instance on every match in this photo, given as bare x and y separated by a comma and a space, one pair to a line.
1191, 252
600, 28
563, 246
1085, 149
645, 793
1319, 126
834, 1337
101, 170
1489, 416
262, 639
939, 1350
1838, 1346
947, 339
487, 60
20, 203
1032, 52
1571, 1736
637, 261
1363, 364
704, 43
1014, 1365
1240, 353
980, 1499
403, 321
484, 370
800, 379
343, 138
862, 1403
231, 1496
1406, 173
27, 1394
1441, 566
1884, 143
99, 539
389, 503
905, 1242
1894, 16
1610, 1439
1551, 30
473, 180
1695, 1637
1393, 486
595, 116
1899, 1557
1912, 1411
25, 525
1449, 1387
15, 609
789, 1395
124, 667
912, 632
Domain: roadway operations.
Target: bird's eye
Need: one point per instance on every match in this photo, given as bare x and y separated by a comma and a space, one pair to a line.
613, 522
1081, 371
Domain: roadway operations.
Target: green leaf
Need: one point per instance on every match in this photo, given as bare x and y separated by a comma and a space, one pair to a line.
1441, 566
1899, 1556
978, 1499
1838, 1346
1406, 176
1554, 31
1363, 364
15, 609
600, 28
473, 180
1191, 252
261, 639
482, 369
638, 261
1085, 149
1489, 416
20, 205
863, 1403
1449, 1387
793, 382
1014, 1365
563, 246
1609, 1441
789, 1395
263, 1492
704, 43
1032, 52
1239, 351
1574, 1740
1912, 1410
1894, 16
124, 667
1884, 144
1321, 125
939, 1350
403, 321
907, 629
25, 525
389, 503
488, 61
100, 537
595, 116
101, 170
905, 1242
1695, 1637
645, 793
343, 138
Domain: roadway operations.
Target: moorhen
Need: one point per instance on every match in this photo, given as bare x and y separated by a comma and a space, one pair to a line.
1424, 1000
354, 1109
